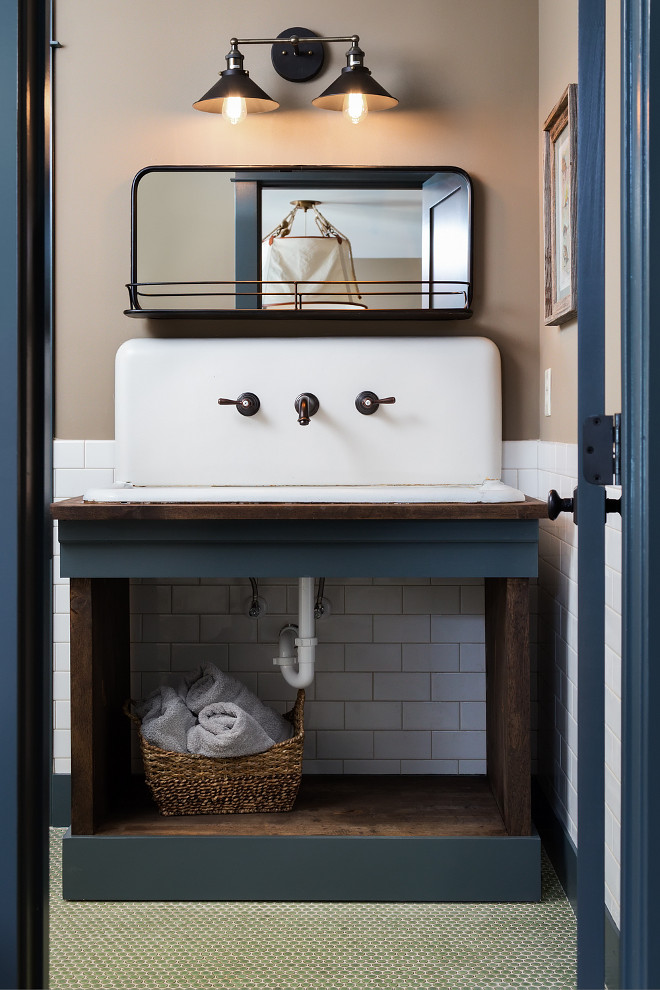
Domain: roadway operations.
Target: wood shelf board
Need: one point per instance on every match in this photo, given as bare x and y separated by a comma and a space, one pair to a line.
76, 509
340, 805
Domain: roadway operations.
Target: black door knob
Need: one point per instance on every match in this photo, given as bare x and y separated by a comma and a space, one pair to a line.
557, 504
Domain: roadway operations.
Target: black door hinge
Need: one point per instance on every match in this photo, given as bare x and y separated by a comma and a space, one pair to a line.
601, 450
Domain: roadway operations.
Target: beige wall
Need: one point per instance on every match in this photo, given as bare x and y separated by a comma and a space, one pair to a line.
465, 74
558, 59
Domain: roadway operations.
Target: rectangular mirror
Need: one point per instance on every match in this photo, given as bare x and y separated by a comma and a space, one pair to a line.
209, 242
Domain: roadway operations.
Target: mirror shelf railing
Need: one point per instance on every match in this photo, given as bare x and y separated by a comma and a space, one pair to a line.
248, 295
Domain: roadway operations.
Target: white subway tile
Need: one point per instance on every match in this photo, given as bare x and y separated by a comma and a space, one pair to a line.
528, 482
613, 630
373, 600
472, 600
430, 656
170, 628
69, 482
209, 599
432, 599
61, 656
461, 745
438, 767
62, 765
151, 598
431, 715
61, 744
344, 745
340, 686
473, 715
240, 599
509, 477
309, 745
62, 714
373, 714
472, 767
322, 766
347, 629
100, 454
273, 687
252, 656
329, 656
150, 656
401, 629
325, 715
189, 656
473, 657
402, 687
458, 687
68, 453
372, 766
373, 656
61, 627
224, 628
402, 745
61, 598
457, 629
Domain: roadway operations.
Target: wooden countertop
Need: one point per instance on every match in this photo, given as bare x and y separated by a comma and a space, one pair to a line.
71, 509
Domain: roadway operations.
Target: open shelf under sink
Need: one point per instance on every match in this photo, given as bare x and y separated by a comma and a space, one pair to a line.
340, 805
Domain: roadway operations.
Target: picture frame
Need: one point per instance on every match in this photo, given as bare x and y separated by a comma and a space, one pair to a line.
560, 210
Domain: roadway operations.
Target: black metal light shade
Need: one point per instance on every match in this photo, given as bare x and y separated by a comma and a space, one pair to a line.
355, 79
235, 83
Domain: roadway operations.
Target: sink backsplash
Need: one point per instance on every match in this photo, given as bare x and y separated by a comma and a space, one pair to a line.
445, 427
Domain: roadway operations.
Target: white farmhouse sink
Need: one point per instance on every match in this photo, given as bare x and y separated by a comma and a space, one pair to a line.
439, 442
490, 491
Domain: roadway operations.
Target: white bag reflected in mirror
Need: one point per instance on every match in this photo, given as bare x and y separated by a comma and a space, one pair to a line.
310, 264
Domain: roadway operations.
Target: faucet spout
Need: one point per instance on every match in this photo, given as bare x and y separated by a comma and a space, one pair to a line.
306, 405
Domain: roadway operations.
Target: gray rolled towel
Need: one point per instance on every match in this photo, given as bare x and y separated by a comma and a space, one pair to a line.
165, 719
211, 685
225, 729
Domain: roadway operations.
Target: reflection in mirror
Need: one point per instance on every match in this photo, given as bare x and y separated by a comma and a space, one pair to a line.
185, 233
382, 226
364, 240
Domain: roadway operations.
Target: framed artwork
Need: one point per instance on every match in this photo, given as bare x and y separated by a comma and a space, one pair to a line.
560, 209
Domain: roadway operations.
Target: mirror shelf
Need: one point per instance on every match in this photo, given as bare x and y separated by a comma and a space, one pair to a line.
210, 242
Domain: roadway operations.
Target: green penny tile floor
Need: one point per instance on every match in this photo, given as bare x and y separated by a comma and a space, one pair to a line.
267, 946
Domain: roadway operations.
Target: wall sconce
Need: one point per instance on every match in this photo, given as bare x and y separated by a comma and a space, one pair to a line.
297, 55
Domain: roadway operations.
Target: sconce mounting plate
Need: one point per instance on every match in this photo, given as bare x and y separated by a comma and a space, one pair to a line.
297, 63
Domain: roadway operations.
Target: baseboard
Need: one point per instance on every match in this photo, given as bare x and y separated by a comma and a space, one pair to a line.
563, 856
557, 843
60, 800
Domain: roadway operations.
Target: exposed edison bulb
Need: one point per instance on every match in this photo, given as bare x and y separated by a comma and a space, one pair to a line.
355, 107
234, 109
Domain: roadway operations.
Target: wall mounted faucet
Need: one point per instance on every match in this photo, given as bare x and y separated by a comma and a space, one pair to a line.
306, 405
247, 404
367, 403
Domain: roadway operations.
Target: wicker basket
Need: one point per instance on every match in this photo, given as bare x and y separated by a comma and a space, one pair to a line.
188, 784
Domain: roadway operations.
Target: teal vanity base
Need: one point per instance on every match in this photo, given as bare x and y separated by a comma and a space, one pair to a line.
301, 868
114, 852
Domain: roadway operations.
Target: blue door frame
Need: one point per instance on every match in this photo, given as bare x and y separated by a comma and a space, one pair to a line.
640, 812
591, 543
25, 666
9, 881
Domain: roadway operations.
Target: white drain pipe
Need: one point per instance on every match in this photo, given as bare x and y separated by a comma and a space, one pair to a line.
297, 645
